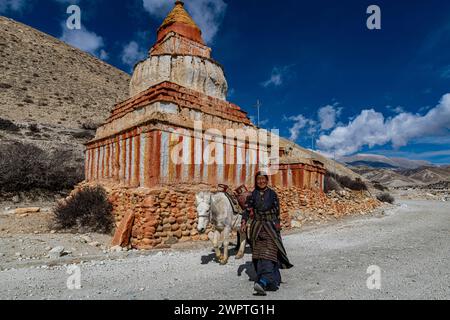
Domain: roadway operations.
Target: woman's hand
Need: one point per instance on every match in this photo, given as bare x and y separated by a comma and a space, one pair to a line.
278, 226
244, 226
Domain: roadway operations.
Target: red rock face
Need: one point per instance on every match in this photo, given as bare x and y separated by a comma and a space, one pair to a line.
122, 235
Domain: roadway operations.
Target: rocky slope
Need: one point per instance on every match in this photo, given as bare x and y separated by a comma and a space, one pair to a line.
52, 96
379, 161
405, 177
297, 151
46, 81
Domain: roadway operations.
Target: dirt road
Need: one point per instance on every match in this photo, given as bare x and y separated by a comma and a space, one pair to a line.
409, 244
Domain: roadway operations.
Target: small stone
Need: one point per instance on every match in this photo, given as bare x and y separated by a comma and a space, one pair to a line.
178, 234
85, 239
95, 244
116, 249
296, 224
21, 211
56, 252
171, 240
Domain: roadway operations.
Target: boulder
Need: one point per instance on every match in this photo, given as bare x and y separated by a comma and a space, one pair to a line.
56, 252
123, 232
22, 211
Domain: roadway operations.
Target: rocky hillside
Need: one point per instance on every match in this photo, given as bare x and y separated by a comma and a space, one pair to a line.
52, 97
297, 151
379, 161
46, 81
396, 172
405, 177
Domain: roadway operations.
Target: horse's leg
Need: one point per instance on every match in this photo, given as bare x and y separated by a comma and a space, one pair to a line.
243, 240
226, 242
216, 244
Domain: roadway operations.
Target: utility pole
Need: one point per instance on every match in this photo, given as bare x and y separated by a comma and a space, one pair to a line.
258, 106
334, 164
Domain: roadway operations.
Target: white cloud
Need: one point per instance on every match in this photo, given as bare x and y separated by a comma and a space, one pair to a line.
328, 116
82, 39
104, 55
11, 5
277, 77
446, 72
158, 8
132, 54
300, 123
398, 109
262, 123
370, 128
208, 14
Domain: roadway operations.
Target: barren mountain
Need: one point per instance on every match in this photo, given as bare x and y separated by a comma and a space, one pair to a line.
297, 151
46, 81
405, 177
427, 175
52, 97
380, 161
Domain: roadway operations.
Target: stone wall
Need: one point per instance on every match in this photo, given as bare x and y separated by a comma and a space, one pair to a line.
160, 217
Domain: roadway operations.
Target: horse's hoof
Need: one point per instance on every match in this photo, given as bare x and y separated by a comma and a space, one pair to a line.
239, 256
223, 261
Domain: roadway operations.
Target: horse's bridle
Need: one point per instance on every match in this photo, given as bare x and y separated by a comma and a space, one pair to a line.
207, 214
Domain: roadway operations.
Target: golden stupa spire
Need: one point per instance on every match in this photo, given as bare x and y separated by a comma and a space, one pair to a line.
180, 15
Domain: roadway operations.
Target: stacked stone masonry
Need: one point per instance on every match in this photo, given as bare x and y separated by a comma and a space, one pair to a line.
165, 216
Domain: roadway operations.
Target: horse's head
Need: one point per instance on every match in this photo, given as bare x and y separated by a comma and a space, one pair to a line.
203, 204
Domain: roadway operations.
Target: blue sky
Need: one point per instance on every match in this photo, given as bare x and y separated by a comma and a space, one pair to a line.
324, 79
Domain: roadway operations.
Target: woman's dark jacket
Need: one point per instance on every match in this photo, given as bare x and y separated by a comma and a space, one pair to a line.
265, 211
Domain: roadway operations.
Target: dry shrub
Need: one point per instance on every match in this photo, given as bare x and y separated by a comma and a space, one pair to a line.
331, 184
386, 197
7, 125
24, 167
88, 210
346, 182
379, 186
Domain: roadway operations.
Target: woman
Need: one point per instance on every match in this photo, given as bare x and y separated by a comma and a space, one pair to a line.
263, 217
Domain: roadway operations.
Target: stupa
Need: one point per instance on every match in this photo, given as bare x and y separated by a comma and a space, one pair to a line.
170, 134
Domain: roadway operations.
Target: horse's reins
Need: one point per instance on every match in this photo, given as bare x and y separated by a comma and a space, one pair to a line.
208, 214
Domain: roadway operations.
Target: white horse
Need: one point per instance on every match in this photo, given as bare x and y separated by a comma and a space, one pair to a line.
215, 208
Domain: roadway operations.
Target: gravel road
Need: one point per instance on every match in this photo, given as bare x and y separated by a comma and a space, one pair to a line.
410, 244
